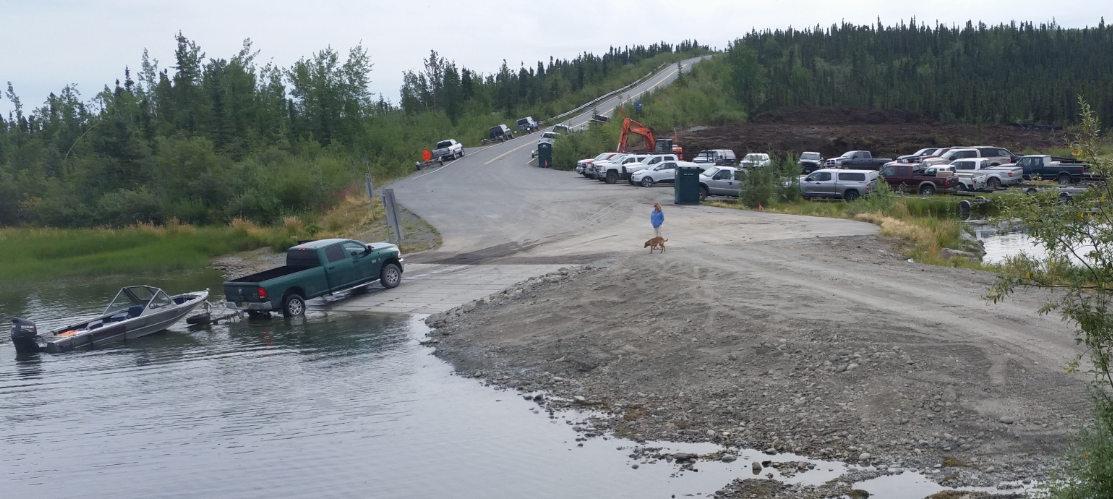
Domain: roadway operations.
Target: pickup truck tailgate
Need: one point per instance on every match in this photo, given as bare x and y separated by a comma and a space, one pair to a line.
242, 292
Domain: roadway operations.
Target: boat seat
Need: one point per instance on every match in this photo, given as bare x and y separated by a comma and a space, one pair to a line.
134, 311
116, 318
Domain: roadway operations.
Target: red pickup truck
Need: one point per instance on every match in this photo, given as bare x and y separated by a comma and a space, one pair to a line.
909, 178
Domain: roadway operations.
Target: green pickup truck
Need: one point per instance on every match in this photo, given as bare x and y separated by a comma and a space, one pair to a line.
313, 269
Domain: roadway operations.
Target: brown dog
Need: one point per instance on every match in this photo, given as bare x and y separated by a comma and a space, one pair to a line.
655, 243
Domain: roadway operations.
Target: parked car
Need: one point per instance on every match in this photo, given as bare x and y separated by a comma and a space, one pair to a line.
313, 269
501, 133
1052, 168
917, 156
448, 149
583, 166
862, 160
719, 157
992, 177
650, 161
755, 160
810, 162
838, 183
720, 181
609, 171
906, 177
527, 124
663, 173
997, 156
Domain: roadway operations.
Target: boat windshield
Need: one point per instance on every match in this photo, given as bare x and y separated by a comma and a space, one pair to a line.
145, 296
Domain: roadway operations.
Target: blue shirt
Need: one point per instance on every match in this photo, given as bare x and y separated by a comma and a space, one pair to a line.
657, 218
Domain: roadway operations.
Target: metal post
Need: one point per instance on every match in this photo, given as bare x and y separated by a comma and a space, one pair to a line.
393, 216
370, 187
369, 197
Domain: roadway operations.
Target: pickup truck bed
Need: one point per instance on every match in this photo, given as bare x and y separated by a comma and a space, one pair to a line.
267, 275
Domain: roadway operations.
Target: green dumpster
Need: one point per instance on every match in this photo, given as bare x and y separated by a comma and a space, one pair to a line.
686, 187
545, 155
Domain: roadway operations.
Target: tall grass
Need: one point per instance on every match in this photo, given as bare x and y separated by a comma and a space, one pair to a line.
47, 253
35, 254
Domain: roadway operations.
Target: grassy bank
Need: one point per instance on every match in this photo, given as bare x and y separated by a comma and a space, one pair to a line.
52, 253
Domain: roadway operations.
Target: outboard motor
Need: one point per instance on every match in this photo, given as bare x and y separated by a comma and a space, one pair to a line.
25, 336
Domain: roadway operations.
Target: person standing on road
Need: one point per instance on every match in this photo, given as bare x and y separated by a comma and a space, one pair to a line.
657, 218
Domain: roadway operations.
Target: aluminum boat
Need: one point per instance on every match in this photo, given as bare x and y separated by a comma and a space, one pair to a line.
136, 311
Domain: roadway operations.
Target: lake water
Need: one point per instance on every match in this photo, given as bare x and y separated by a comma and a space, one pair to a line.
1002, 244
330, 405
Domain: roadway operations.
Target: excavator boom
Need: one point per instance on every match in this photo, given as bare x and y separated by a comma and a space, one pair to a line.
630, 126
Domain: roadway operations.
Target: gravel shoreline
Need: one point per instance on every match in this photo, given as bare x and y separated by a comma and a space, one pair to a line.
671, 350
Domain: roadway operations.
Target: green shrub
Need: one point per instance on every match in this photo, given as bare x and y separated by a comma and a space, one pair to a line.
880, 199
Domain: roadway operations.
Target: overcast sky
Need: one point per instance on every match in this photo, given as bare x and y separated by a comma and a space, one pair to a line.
45, 44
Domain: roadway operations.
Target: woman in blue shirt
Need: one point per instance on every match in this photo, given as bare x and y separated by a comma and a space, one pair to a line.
657, 218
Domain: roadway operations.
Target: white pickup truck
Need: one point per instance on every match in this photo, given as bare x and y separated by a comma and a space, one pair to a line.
609, 171
977, 174
448, 149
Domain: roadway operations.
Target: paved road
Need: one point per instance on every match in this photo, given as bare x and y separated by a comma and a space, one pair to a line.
503, 221
492, 207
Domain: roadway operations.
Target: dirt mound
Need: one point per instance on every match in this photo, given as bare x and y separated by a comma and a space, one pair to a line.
832, 131
808, 114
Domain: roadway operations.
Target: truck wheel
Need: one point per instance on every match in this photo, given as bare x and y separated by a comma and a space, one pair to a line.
293, 305
390, 276
647, 181
927, 190
850, 196
1063, 179
960, 187
993, 184
612, 177
703, 193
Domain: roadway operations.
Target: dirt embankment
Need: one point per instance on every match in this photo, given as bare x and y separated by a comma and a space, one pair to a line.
834, 348
833, 131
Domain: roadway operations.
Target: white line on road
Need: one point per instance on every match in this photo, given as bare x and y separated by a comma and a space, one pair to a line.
496, 158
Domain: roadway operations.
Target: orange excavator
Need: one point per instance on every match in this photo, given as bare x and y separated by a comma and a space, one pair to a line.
653, 145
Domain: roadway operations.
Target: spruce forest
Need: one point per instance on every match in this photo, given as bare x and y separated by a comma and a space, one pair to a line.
1010, 73
207, 140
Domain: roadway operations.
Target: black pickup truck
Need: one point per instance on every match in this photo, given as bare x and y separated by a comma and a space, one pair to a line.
857, 160
1065, 171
